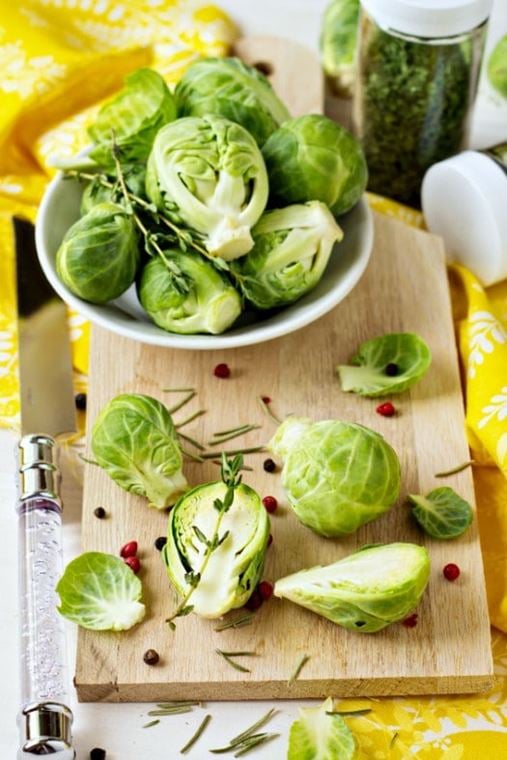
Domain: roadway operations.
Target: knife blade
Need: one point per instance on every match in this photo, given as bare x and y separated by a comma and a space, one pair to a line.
47, 410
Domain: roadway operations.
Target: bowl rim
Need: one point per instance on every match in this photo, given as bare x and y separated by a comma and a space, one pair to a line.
250, 335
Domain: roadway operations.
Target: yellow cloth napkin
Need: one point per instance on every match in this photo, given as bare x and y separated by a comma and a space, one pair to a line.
58, 60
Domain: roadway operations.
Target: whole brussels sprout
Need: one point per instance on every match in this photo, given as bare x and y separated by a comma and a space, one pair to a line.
235, 565
99, 255
228, 87
314, 158
135, 442
210, 173
337, 475
291, 249
338, 43
208, 303
365, 591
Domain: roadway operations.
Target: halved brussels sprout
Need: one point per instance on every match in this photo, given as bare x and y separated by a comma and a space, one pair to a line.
337, 475
99, 255
235, 566
312, 158
229, 88
442, 513
210, 173
386, 365
318, 735
208, 303
135, 442
134, 117
365, 591
497, 66
291, 249
338, 43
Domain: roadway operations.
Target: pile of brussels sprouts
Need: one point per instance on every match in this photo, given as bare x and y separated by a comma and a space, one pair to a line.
211, 199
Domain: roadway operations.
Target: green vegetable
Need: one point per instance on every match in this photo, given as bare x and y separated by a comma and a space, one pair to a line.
99, 255
315, 735
365, 591
442, 513
291, 249
133, 117
338, 43
235, 560
386, 365
209, 173
135, 442
314, 158
414, 100
337, 475
99, 591
497, 66
229, 88
207, 304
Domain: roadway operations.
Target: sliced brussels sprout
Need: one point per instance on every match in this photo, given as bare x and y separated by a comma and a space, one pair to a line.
442, 513
365, 591
100, 592
497, 66
337, 475
338, 43
291, 249
135, 442
317, 735
207, 304
229, 88
235, 567
386, 365
133, 117
312, 158
99, 255
210, 173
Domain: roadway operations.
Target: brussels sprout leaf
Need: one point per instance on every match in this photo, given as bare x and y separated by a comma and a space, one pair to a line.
497, 66
317, 735
442, 513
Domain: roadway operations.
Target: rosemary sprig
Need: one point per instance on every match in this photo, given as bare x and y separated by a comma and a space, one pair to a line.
297, 670
183, 402
218, 439
228, 657
239, 622
235, 452
267, 410
455, 470
151, 723
194, 738
231, 478
192, 417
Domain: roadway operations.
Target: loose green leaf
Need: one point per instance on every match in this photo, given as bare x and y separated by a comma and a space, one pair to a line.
386, 365
315, 735
195, 737
497, 66
151, 723
442, 513
100, 592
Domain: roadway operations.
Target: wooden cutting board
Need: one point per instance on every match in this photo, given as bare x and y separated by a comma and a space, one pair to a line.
404, 289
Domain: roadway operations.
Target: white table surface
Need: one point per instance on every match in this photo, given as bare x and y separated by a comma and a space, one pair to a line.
117, 728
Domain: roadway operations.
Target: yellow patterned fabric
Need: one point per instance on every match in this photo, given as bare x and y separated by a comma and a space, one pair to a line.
59, 59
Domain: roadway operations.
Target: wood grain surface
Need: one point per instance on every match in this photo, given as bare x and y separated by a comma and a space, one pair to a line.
404, 288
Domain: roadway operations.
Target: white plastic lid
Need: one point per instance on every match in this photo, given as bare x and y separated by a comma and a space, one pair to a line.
464, 199
429, 18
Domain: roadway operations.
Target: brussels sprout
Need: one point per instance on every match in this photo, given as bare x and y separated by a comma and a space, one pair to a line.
98, 591
338, 43
135, 442
497, 66
209, 303
314, 158
229, 88
99, 255
337, 475
134, 117
317, 735
386, 365
210, 173
365, 591
93, 194
235, 565
442, 513
291, 249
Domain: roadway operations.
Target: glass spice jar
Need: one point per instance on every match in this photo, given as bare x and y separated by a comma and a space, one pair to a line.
418, 69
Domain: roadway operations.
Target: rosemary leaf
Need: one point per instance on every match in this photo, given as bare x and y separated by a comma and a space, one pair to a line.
170, 711
253, 728
229, 436
299, 667
228, 658
192, 417
169, 705
192, 441
238, 654
88, 461
195, 457
231, 430
196, 736
455, 470
239, 622
393, 739
179, 390
267, 410
256, 742
351, 713
245, 467
183, 402
214, 454
151, 723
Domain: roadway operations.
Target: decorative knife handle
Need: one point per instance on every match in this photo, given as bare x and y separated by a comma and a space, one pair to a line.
45, 721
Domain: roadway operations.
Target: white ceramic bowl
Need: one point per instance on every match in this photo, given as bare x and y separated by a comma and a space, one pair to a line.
60, 209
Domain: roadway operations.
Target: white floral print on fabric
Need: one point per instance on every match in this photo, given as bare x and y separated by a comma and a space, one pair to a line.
485, 330
497, 408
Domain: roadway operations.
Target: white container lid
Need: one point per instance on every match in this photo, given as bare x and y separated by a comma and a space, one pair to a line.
464, 199
429, 18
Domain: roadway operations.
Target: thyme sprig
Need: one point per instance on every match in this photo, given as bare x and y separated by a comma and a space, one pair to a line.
232, 479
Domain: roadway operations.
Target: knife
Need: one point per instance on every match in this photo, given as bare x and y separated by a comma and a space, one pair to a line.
47, 410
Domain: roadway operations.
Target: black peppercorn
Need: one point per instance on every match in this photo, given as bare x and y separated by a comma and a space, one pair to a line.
99, 512
269, 465
80, 401
160, 543
392, 369
98, 754
151, 657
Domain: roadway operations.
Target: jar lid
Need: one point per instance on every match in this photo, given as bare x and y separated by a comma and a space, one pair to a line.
464, 200
429, 18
